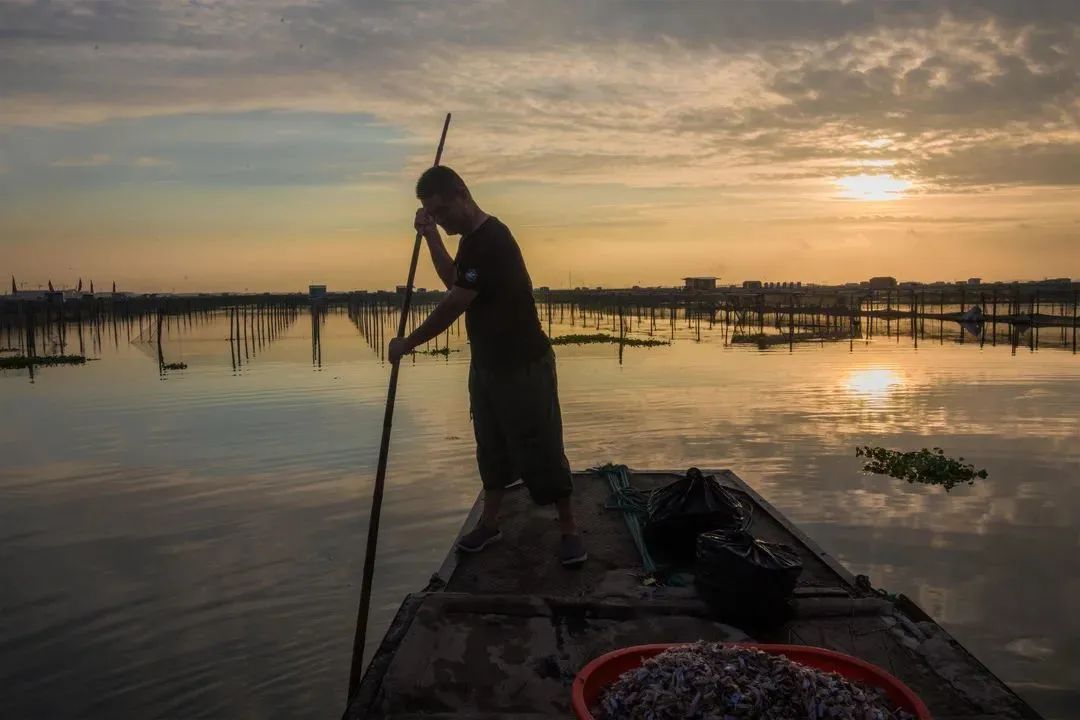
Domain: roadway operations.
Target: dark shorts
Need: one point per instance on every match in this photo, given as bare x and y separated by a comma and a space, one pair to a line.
518, 429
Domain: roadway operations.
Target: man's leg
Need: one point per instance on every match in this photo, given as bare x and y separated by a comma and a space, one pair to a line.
492, 501
493, 462
487, 530
538, 439
566, 516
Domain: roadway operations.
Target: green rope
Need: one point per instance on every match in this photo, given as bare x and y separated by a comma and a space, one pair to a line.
633, 504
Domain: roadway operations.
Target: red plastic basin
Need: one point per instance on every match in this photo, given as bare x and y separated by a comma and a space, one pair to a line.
607, 668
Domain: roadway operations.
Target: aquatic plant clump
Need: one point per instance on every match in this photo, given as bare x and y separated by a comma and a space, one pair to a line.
707, 681
931, 467
765, 340
444, 352
175, 366
601, 338
20, 362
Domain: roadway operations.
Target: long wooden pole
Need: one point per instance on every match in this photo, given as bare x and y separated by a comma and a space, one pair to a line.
380, 476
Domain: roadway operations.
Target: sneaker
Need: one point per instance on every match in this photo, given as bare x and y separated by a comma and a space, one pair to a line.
478, 539
572, 550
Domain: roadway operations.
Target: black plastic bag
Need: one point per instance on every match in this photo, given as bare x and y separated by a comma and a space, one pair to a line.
681, 511
743, 578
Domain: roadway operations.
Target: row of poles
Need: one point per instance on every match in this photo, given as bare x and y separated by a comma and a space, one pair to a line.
746, 319
36, 328
34, 331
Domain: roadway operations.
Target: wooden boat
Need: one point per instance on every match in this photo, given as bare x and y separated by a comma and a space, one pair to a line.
501, 634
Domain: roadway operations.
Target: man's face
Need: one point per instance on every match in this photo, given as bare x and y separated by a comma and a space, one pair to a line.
446, 211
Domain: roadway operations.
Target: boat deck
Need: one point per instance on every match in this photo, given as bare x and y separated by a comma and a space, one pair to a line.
502, 633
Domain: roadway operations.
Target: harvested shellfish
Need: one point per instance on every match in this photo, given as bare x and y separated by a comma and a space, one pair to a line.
713, 681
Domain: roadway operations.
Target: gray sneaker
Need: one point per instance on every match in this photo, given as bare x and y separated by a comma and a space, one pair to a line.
478, 539
572, 550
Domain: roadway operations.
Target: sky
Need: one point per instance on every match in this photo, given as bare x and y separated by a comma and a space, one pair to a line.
266, 145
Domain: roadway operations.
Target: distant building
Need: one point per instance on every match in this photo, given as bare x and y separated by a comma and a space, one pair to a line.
974, 281
751, 285
53, 296
882, 282
700, 283
316, 292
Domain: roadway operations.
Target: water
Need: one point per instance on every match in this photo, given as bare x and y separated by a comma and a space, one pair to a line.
189, 545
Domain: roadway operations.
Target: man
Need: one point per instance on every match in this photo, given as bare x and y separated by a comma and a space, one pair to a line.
513, 390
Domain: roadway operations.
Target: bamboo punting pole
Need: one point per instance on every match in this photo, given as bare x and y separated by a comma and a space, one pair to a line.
380, 475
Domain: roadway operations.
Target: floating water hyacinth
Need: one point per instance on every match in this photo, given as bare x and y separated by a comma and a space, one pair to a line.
602, 338
712, 681
931, 467
19, 362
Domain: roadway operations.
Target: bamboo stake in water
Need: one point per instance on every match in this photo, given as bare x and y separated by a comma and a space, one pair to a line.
380, 475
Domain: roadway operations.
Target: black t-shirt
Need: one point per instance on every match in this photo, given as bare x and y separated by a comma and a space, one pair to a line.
504, 329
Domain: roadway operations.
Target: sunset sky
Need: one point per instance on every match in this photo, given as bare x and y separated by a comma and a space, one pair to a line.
267, 145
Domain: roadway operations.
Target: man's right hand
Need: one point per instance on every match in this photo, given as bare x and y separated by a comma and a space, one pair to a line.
425, 225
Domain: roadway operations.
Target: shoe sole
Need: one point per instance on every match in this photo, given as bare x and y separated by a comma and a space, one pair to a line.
575, 561
481, 546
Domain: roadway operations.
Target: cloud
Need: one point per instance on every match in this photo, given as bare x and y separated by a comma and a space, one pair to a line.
256, 149
718, 94
894, 219
148, 161
95, 160
1002, 164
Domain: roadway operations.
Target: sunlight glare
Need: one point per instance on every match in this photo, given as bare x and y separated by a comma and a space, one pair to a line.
873, 187
873, 383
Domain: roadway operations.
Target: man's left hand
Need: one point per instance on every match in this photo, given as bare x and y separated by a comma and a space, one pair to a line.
398, 347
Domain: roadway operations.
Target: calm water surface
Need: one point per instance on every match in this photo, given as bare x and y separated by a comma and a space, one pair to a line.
189, 546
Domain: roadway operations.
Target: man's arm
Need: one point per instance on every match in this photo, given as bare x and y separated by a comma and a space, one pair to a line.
440, 258
443, 316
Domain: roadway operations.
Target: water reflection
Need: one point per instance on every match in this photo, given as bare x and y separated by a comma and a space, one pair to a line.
192, 548
873, 383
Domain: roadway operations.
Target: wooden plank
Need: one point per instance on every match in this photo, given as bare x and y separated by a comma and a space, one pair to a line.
361, 704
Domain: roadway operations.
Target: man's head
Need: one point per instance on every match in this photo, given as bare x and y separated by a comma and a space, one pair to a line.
446, 199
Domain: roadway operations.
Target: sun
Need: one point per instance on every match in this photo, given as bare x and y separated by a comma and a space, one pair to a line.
873, 187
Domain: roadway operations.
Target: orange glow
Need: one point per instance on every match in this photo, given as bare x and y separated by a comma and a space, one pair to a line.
873, 187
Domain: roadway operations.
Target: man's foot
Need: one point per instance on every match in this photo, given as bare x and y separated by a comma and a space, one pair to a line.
572, 550
478, 539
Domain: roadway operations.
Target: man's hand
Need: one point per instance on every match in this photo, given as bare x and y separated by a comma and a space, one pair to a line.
398, 347
425, 224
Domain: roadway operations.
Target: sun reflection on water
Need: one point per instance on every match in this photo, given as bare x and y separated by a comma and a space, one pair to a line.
873, 383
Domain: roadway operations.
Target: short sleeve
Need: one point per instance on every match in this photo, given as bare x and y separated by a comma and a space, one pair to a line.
470, 271
476, 264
